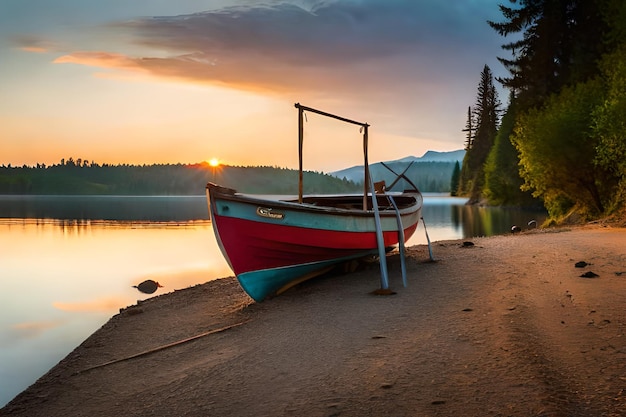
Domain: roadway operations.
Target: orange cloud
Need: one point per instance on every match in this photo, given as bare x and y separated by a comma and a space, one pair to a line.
198, 68
99, 59
37, 49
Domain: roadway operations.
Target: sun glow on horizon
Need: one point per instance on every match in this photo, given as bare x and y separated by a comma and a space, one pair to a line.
214, 162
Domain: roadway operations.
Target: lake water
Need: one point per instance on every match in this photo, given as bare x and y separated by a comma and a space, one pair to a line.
67, 264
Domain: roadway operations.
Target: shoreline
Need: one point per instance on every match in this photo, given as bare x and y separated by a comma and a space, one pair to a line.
505, 326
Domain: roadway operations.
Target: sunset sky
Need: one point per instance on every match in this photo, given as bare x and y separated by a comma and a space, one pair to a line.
158, 81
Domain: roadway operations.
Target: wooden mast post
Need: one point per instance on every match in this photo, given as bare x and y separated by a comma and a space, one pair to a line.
366, 167
300, 145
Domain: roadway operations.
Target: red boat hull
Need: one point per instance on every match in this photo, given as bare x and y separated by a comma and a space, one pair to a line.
254, 246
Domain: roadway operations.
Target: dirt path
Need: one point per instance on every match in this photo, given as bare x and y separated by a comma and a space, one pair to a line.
506, 327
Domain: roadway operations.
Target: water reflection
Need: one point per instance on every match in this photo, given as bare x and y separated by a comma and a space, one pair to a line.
490, 221
450, 218
135, 208
63, 279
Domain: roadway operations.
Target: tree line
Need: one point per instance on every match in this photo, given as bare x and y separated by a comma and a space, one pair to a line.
84, 177
71, 177
561, 140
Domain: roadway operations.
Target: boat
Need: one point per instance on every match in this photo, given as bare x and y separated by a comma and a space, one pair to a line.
273, 243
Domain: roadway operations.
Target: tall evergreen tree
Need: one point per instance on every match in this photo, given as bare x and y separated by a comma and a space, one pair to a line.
502, 180
560, 45
486, 118
454, 180
469, 128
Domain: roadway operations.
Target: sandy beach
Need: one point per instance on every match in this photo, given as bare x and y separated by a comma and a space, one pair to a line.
504, 326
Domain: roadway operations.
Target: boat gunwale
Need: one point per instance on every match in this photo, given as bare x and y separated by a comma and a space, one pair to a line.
294, 205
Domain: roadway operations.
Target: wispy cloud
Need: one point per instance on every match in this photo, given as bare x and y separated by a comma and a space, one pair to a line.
31, 43
101, 60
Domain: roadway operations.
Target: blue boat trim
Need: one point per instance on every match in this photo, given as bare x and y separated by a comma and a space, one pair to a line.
313, 218
263, 283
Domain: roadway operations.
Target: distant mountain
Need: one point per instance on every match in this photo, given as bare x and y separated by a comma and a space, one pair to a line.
434, 156
431, 172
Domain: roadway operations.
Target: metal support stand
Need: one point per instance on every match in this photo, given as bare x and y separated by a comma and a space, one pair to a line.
380, 241
430, 249
400, 240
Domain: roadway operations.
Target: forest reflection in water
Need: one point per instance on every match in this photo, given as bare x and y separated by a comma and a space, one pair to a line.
446, 217
450, 218
122, 208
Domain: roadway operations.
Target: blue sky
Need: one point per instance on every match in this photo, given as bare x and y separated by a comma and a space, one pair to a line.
148, 81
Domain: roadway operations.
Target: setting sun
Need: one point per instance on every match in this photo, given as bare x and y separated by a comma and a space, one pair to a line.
214, 162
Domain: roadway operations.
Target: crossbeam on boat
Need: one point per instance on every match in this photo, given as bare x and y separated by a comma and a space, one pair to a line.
364, 127
333, 116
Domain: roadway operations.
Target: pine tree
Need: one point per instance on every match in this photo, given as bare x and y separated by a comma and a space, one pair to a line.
469, 128
454, 180
502, 179
486, 119
561, 44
